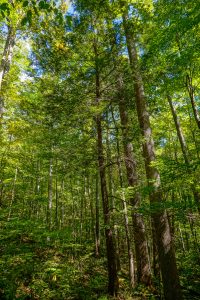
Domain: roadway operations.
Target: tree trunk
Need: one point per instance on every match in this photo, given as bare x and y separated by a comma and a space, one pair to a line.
90, 191
62, 207
128, 238
50, 195
111, 193
164, 241
56, 197
5, 62
111, 254
12, 194
179, 131
190, 89
184, 150
126, 221
97, 231
141, 248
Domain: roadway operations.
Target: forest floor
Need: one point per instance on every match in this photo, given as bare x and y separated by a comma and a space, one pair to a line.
37, 264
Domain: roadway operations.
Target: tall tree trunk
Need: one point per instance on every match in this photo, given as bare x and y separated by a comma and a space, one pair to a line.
111, 253
56, 197
126, 221
5, 62
184, 149
50, 195
179, 131
37, 189
82, 213
167, 259
97, 230
90, 191
62, 206
111, 192
141, 248
190, 89
12, 194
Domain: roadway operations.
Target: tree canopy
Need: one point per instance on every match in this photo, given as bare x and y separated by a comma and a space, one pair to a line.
100, 149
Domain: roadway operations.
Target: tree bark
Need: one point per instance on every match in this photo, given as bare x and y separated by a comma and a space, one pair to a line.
126, 220
141, 248
167, 259
184, 149
111, 253
56, 196
111, 193
50, 195
12, 193
6, 62
190, 89
179, 131
97, 230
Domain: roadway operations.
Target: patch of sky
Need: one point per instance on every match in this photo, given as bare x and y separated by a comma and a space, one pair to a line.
71, 9
3, 28
141, 51
163, 142
133, 11
170, 75
167, 22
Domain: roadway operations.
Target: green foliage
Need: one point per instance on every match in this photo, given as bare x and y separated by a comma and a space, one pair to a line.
33, 267
49, 152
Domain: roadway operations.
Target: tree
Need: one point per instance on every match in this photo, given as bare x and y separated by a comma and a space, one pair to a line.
163, 235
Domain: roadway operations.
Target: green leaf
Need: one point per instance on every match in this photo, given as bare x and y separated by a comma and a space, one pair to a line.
4, 6
35, 10
59, 17
47, 6
41, 4
29, 15
55, 11
69, 20
24, 21
8, 180
3, 15
25, 3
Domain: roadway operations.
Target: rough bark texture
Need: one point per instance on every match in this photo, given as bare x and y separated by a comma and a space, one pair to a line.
190, 89
111, 253
141, 248
164, 241
6, 61
179, 131
184, 149
97, 231
50, 195
126, 221
111, 193
130, 252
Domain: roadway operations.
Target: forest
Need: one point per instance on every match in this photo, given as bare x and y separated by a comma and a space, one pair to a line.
99, 149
